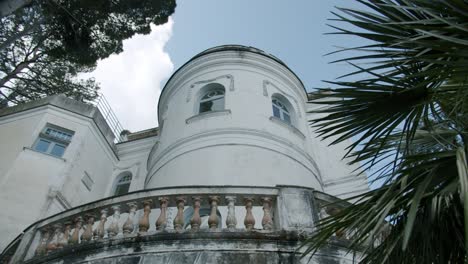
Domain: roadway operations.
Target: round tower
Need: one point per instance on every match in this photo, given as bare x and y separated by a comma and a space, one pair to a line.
232, 115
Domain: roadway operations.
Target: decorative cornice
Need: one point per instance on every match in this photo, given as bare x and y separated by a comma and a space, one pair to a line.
265, 92
195, 84
313, 167
43, 153
207, 115
179, 78
345, 179
288, 126
139, 145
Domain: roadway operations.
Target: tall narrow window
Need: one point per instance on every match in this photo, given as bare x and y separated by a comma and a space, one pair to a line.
53, 140
212, 99
281, 111
122, 184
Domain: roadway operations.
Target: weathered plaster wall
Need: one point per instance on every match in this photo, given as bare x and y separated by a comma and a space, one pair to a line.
203, 248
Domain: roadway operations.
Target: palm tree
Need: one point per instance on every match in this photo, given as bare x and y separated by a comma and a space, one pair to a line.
408, 117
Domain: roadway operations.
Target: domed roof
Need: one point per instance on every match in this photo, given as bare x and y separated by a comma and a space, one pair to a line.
233, 47
230, 47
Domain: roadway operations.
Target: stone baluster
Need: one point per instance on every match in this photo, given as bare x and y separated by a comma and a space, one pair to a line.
267, 221
170, 215
161, 221
75, 238
44, 237
249, 220
144, 225
99, 232
179, 219
53, 242
195, 222
88, 233
128, 225
213, 218
66, 235
113, 228
231, 221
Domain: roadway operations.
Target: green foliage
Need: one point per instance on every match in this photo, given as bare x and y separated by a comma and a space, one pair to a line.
84, 31
47, 44
27, 71
408, 113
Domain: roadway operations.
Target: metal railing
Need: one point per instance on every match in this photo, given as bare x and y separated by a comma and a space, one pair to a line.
104, 107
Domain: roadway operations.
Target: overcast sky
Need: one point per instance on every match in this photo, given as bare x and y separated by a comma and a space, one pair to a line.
291, 30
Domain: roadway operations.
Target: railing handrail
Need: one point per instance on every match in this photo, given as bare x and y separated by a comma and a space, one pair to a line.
109, 115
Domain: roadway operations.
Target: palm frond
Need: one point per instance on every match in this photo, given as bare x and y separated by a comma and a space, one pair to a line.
408, 117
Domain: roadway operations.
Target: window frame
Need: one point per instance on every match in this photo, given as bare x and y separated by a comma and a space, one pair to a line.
54, 136
213, 98
283, 110
119, 181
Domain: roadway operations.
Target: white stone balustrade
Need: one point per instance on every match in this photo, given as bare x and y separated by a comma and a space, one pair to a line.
191, 212
79, 225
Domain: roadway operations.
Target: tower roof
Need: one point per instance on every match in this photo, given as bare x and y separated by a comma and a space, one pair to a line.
232, 47
236, 47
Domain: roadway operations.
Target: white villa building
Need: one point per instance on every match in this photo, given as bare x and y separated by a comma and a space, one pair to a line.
233, 173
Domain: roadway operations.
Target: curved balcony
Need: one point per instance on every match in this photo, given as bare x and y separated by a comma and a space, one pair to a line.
196, 224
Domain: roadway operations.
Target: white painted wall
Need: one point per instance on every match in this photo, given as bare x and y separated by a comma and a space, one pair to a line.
241, 146
339, 177
34, 185
133, 157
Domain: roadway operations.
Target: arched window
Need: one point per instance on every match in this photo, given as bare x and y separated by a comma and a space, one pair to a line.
212, 98
281, 111
122, 183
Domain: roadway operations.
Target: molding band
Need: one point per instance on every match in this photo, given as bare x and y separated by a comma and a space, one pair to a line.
207, 115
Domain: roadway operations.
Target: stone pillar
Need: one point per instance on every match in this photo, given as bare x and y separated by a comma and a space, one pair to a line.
88, 233
75, 238
128, 226
231, 220
66, 235
113, 228
144, 225
195, 222
179, 219
161, 221
294, 209
267, 221
249, 220
99, 232
56, 235
213, 218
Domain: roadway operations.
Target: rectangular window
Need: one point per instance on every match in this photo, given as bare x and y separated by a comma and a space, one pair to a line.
57, 150
53, 140
42, 145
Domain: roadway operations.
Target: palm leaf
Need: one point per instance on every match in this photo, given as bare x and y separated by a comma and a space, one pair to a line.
408, 117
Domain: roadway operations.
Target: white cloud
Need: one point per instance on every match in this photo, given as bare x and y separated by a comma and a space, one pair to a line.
131, 80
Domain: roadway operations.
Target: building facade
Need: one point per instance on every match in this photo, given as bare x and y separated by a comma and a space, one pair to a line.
233, 174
